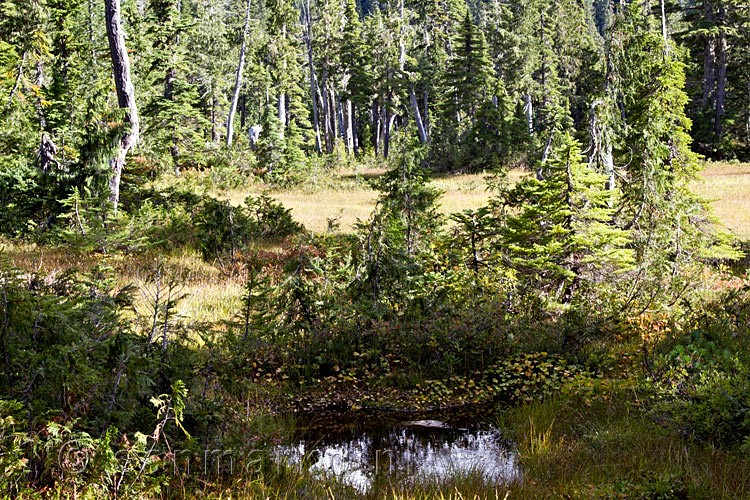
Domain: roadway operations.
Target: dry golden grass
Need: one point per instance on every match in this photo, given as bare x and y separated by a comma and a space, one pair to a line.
208, 294
349, 197
728, 184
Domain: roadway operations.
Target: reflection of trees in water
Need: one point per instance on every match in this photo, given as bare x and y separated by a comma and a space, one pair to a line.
358, 456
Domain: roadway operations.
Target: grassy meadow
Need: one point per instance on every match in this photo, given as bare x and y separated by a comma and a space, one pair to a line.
349, 196
346, 197
569, 446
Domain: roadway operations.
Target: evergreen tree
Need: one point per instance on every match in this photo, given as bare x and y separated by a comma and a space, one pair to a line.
671, 226
562, 237
468, 78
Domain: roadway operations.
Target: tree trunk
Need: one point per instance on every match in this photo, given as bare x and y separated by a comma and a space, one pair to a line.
282, 113
387, 127
528, 108
721, 76
709, 59
417, 117
545, 155
327, 133
350, 127
355, 136
340, 113
376, 123
313, 81
387, 113
332, 112
125, 94
238, 77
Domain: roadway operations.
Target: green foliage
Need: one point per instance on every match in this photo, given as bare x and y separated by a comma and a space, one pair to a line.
563, 237
398, 234
699, 378
89, 225
224, 230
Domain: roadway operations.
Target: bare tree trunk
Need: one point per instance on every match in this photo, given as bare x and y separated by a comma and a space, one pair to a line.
355, 136
238, 77
545, 155
387, 112
417, 117
125, 94
387, 127
350, 127
528, 108
282, 113
332, 112
313, 80
721, 77
709, 58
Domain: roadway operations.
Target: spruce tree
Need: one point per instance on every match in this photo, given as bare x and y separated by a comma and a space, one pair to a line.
468, 78
671, 226
561, 238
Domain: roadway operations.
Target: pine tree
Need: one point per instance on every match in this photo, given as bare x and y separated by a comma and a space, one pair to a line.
469, 76
671, 226
356, 70
562, 237
271, 145
172, 116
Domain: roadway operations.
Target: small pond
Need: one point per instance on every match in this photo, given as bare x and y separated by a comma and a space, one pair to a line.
360, 451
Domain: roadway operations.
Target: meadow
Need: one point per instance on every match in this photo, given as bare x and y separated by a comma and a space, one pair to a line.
344, 198
348, 196
598, 441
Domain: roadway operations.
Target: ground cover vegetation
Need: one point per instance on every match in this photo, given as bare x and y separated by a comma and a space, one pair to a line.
281, 208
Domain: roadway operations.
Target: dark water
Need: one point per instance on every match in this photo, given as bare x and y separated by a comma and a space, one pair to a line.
361, 452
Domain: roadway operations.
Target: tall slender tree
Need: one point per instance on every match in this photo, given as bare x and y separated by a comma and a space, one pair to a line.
125, 95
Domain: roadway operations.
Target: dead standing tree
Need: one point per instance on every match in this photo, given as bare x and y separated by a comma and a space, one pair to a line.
125, 95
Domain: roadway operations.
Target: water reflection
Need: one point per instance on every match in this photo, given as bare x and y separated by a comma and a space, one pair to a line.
408, 451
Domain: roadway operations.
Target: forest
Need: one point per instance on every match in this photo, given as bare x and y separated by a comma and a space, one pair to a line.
375, 249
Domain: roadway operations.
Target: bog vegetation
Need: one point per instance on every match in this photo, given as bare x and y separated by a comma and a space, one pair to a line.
220, 217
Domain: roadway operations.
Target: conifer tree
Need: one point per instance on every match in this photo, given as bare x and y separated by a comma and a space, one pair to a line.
468, 78
562, 236
355, 67
671, 226
172, 117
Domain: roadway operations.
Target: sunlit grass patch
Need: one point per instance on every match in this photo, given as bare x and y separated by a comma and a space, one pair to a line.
728, 185
569, 449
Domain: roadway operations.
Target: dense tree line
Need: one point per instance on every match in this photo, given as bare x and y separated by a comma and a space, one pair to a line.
484, 83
